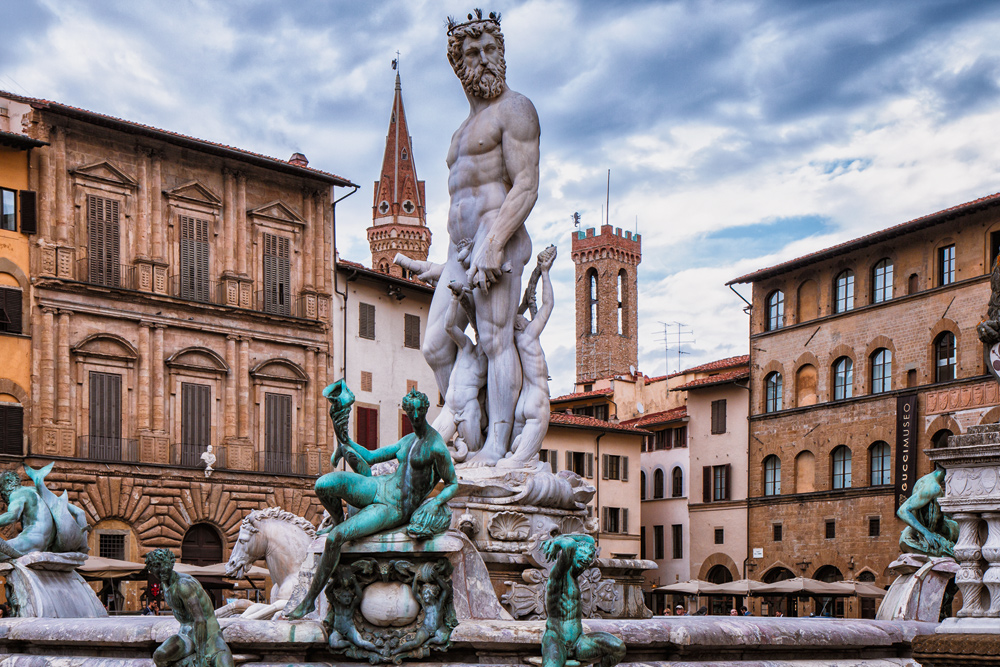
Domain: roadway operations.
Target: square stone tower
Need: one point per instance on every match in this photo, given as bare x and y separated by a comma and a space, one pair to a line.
607, 342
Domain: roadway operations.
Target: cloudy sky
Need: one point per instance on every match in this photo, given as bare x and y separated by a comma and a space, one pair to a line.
738, 134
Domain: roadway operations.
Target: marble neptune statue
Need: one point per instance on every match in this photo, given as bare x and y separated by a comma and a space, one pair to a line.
493, 183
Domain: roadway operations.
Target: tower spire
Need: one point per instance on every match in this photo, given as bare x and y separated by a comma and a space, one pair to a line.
398, 217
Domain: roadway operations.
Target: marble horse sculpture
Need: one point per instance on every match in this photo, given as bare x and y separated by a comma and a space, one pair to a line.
48, 522
387, 501
198, 642
564, 640
282, 539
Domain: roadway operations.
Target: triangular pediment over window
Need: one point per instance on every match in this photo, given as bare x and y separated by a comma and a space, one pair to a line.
194, 191
277, 211
105, 172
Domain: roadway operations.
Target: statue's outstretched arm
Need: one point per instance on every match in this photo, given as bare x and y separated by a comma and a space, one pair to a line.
534, 328
13, 513
446, 468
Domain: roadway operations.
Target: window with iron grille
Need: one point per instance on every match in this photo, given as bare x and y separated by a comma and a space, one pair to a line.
111, 545
277, 275
11, 428
720, 535
194, 245
658, 542
10, 310
874, 526
946, 265
366, 321
831, 529
777, 532
411, 331
104, 241
719, 416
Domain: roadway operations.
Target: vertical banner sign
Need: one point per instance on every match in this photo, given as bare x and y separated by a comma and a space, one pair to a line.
906, 446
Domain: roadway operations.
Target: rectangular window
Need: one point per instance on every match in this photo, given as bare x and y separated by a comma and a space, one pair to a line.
104, 240
777, 532
277, 275
11, 429
8, 210
658, 542
105, 439
277, 433
946, 265
720, 482
615, 520
642, 542
581, 463
677, 540
831, 529
196, 422
612, 467
680, 436
366, 427
366, 321
719, 416
720, 535
194, 245
551, 457
411, 333
366, 381
405, 425
874, 526
662, 442
601, 412
111, 545
10, 310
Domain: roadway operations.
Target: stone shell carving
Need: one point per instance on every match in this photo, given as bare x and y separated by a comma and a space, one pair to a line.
509, 527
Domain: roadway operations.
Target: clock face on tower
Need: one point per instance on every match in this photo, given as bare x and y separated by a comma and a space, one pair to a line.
993, 360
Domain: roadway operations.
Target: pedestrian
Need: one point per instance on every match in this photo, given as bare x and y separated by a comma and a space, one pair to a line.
778, 614
745, 611
733, 612
680, 611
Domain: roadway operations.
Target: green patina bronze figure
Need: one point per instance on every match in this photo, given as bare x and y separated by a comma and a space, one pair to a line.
199, 641
385, 501
564, 643
48, 522
928, 531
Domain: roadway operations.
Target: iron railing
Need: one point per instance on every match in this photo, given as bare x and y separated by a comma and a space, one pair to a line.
108, 274
188, 455
202, 291
276, 302
109, 449
283, 464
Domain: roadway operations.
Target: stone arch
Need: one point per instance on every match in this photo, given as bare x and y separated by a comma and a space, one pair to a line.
941, 326
870, 275
864, 367
8, 386
839, 351
992, 416
947, 422
878, 342
715, 559
659, 481
280, 369
772, 366
9, 267
778, 571
806, 383
642, 485
807, 301
107, 346
198, 359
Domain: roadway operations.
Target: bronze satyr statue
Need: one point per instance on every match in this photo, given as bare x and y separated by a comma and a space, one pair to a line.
928, 531
199, 641
564, 642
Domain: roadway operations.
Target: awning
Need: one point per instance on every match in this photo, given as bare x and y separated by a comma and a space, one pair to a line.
739, 587
805, 586
109, 568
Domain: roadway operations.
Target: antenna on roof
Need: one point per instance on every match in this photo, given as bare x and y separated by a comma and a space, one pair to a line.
680, 341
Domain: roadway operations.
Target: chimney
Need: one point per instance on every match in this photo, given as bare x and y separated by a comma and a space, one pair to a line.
299, 160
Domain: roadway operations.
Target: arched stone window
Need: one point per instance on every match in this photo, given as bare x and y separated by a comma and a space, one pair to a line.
805, 472
843, 378
807, 303
775, 311
658, 483
806, 386
882, 281
677, 483
622, 300
592, 300
642, 485
940, 439
772, 392
844, 292
881, 363
945, 357
841, 458
878, 464
772, 476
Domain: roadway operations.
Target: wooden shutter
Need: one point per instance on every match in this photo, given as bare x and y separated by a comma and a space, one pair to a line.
11, 429
194, 249
605, 518
569, 462
113, 247
366, 320
590, 466
624, 523
10, 310
706, 484
728, 473
277, 275
196, 425
95, 241
624, 468
29, 212
405, 425
105, 416
554, 460
604, 466
104, 241
411, 333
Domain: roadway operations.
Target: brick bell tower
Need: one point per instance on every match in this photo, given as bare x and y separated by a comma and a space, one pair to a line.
607, 341
399, 223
